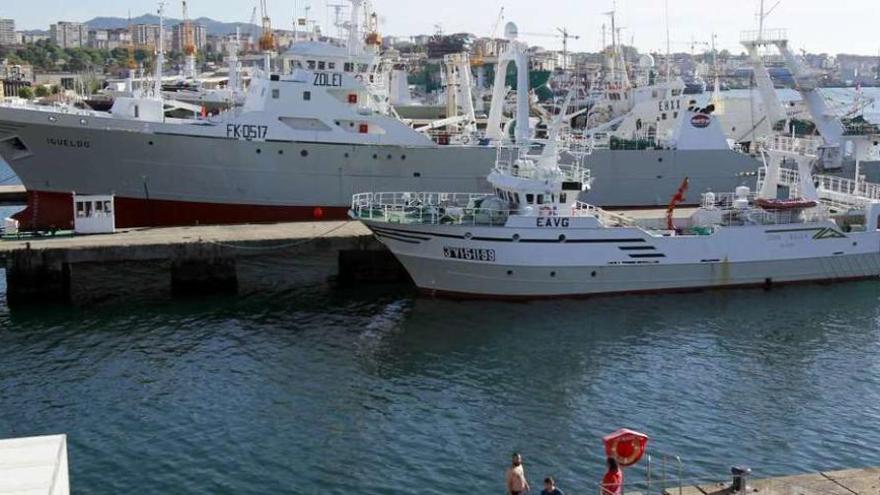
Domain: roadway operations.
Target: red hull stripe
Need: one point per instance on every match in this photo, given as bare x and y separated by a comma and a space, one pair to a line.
52, 210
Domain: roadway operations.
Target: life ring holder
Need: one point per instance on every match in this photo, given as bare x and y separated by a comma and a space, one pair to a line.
465, 139
630, 459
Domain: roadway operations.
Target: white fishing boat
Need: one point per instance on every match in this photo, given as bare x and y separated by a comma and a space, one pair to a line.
531, 238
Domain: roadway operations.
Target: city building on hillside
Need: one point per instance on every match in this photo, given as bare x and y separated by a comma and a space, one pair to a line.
69, 34
147, 36
98, 38
18, 72
29, 38
7, 32
118, 38
200, 37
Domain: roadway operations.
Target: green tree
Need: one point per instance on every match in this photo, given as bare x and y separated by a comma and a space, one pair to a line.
26, 93
42, 91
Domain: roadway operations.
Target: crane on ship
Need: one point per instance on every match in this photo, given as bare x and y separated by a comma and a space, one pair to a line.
189, 45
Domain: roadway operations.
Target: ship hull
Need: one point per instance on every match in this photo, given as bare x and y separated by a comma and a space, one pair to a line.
479, 262
160, 177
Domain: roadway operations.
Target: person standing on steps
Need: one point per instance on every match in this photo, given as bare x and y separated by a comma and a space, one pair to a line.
516, 477
612, 482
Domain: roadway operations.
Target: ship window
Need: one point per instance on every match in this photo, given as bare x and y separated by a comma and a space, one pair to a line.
363, 68
307, 95
99, 206
674, 115
348, 67
530, 198
80, 209
563, 197
322, 65
276, 93
663, 116
137, 111
331, 65
540, 199
311, 64
107, 207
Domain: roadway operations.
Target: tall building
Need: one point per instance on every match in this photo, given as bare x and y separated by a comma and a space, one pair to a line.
69, 34
200, 37
7, 32
99, 38
147, 36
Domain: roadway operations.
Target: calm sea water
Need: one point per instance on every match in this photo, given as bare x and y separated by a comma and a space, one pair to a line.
320, 390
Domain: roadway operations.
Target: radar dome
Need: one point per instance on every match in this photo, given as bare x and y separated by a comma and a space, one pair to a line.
646, 61
511, 32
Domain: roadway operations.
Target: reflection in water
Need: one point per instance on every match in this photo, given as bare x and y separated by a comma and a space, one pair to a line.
318, 389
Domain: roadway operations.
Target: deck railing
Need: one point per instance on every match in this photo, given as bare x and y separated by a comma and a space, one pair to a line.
459, 209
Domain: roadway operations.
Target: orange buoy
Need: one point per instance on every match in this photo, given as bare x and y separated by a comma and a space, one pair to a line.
626, 446
318, 213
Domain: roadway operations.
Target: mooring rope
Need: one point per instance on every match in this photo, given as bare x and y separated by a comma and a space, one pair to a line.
279, 246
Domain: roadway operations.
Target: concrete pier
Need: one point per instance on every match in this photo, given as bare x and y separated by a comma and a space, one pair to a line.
196, 259
846, 482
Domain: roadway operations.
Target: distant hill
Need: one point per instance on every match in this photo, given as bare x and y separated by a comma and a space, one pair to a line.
213, 27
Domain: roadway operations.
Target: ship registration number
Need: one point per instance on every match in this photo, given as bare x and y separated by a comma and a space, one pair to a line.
469, 254
246, 131
324, 79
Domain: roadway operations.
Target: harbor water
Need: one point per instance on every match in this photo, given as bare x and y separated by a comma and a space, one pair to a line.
323, 390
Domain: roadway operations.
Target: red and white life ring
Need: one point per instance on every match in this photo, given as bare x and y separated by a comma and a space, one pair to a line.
626, 446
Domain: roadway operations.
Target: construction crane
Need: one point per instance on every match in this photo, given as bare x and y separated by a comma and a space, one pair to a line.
267, 37
498, 22
249, 33
189, 45
132, 63
561, 33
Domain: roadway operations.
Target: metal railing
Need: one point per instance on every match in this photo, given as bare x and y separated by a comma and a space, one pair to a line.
798, 146
765, 36
460, 209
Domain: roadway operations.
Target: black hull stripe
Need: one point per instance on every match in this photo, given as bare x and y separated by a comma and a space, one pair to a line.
396, 238
507, 239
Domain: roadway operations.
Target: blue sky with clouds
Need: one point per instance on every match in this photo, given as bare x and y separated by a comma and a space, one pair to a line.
815, 25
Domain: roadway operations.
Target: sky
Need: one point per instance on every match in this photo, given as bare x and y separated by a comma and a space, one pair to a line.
838, 26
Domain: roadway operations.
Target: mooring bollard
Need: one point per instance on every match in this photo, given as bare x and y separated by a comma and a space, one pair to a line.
740, 478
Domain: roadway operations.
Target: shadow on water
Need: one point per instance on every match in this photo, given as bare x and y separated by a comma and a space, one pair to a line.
371, 389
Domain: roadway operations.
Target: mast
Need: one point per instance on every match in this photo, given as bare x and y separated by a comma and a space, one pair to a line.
160, 51
668, 48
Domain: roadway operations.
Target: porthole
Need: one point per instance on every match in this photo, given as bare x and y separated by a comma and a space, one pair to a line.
553, 274
259, 151
417, 174
562, 238
150, 143
509, 272
346, 155
593, 274
375, 156
468, 236
389, 157
660, 159
304, 153
515, 237
403, 157
280, 152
